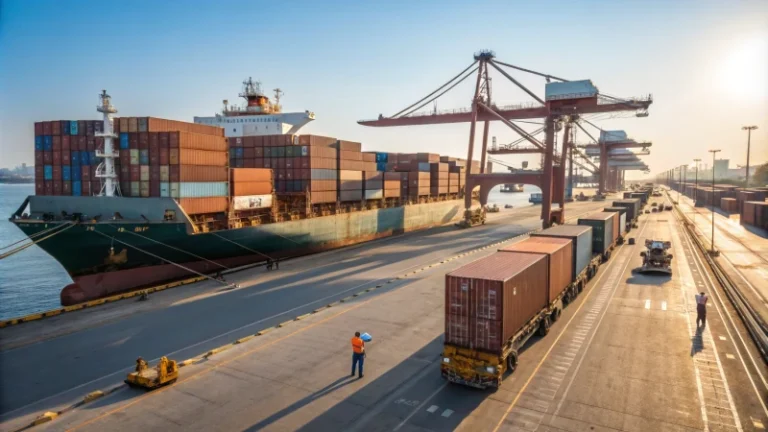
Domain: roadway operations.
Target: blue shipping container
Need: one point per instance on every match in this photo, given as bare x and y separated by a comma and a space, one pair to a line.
39, 143
65, 127
202, 189
77, 188
143, 157
48, 172
92, 158
238, 152
66, 173
381, 166
48, 143
75, 158
381, 157
124, 140
77, 174
85, 158
73, 128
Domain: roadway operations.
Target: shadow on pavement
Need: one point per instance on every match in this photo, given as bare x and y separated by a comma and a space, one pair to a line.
697, 342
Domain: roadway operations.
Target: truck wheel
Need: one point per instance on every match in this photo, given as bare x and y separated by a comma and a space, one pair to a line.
512, 362
555, 315
544, 326
581, 286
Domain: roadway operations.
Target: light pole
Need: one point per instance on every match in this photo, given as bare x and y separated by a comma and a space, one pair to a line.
749, 130
712, 250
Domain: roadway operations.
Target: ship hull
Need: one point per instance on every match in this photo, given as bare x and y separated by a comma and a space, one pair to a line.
126, 256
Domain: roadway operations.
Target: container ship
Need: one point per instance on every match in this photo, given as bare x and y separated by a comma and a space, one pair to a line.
125, 203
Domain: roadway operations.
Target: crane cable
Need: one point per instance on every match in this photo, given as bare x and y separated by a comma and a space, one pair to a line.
21, 248
440, 88
244, 247
442, 93
163, 259
530, 71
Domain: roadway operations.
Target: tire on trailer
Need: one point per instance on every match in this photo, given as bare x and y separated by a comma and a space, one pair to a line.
512, 362
544, 326
555, 315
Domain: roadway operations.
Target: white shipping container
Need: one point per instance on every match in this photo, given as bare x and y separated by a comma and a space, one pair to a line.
165, 189
251, 202
134, 156
374, 194
175, 190
203, 189
323, 174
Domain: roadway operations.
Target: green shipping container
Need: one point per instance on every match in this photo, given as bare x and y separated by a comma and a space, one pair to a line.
602, 231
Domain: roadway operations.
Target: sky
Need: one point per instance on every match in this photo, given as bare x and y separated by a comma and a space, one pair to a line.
705, 63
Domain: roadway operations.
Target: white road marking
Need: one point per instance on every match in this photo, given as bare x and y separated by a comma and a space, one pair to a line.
663, 305
648, 304
723, 338
413, 413
447, 413
730, 356
432, 409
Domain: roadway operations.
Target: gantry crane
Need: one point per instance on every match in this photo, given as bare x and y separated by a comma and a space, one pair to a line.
564, 102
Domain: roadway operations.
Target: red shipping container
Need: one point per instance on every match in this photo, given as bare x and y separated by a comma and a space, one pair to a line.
39, 129
125, 157
164, 156
125, 173
154, 173
154, 156
143, 141
154, 140
154, 187
559, 252
56, 157
39, 158
508, 288
66, 142
249, 163
89, 127
249, 153
174, 173
136, 173
86, 188
56, 130
56, 139
90, 143
48, 188
66, 188
57, 173
48, 130
47, 158
85, 174
57, 187
81, 143
133, 140
66, 157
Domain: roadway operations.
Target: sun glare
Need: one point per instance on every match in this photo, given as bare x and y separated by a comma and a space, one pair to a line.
744, 68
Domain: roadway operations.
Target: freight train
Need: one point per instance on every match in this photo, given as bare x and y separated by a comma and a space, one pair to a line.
495, 304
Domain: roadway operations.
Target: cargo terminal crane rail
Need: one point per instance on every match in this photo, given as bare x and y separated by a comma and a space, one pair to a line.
564, 102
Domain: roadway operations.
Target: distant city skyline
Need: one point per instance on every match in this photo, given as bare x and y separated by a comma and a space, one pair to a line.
705, 63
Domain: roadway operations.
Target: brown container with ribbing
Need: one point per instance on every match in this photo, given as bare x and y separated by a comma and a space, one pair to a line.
320, 197
313, 140
203, 205
197, 173
349, 146
251, 188
559, 252
489, 300
197, 141
154, 124
197, 157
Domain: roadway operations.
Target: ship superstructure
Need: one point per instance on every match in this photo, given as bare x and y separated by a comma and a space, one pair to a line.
259, 116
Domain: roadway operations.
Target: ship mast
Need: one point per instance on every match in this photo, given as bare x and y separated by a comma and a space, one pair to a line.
106, 169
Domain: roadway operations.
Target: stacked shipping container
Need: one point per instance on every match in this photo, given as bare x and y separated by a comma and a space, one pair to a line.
65, 157
251, 188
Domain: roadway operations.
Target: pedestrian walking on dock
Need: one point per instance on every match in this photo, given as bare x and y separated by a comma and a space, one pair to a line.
701, 309
358, 355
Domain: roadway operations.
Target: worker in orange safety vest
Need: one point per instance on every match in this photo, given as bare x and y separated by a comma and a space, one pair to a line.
358, 355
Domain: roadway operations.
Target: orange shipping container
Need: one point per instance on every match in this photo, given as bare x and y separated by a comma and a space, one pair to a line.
203, 205
198, 157
155, 124
197, 141
251, 188
201, 173
251, 175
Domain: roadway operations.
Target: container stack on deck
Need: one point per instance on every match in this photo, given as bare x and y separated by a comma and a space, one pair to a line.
168, 158
65, 157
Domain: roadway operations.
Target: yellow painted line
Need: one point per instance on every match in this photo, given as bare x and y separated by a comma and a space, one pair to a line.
92, 396
346, 299
301, 317
284, 323
32, 317
265, 331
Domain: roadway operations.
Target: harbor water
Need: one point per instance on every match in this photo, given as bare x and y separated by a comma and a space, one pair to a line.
30, 280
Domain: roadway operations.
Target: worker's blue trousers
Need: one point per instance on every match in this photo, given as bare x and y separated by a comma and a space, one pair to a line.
357, 360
